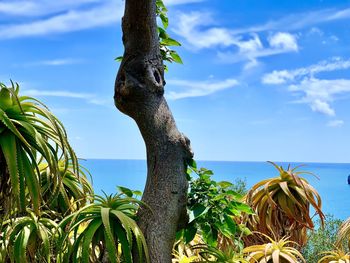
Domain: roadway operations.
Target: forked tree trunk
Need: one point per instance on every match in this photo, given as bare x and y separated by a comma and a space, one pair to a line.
139, 91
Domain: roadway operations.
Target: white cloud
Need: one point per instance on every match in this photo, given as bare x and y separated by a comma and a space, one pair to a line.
32, 8
283, 41
185, 89
51, 62
199, 32
72, 20
277, 77
88, 97
299, 21
283, 76
316, 31
335, 123
51, 17
318, 93
57, 93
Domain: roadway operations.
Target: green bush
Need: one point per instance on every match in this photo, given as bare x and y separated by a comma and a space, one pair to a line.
321, 239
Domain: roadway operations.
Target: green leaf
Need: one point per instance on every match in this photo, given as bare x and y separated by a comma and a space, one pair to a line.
162, 33
88, 236
110, 243
224, 184
165, 20
231, 224
175, 57
119, 59
192, 163
190, 233
198, 210
170, 42
125, 191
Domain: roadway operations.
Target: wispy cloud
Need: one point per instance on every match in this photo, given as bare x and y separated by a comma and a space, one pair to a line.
67, 22
199, 32
180, 89
33, 8
51, 17
298, 21
88, 97
58, 93
318, 93
335, 123
51, 62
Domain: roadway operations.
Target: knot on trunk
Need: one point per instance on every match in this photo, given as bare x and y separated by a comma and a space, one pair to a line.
186, 144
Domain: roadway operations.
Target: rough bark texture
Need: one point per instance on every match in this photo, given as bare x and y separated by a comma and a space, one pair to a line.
139, 90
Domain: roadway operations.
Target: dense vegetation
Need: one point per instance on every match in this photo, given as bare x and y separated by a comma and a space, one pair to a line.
49, 213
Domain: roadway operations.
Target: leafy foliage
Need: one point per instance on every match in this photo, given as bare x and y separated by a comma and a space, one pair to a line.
108, 224
213, 207
212, 254
73, 187
274, 252
336, 256
283, 204
165, 41
28, 132
344, 234
321, 238
29, 238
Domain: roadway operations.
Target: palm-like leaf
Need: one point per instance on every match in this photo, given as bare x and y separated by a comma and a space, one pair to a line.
29, 239
74, 189
281, 251
282, 205
213, 254
108, 225
344, 234
337, 256
28, 132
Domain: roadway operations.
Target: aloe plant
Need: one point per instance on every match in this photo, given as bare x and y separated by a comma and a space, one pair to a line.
280, 251
74, 187
29, 238
344, 234
213, 254
104, 229
336, 256
282, 205
28, 132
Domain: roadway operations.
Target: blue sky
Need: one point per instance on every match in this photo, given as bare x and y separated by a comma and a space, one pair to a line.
261, 80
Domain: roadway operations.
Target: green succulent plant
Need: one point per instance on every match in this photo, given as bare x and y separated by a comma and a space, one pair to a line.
213, 254
74, 189
282, 205
336, 256
29, 238
344, 234
29, 132
107, 229
280, 251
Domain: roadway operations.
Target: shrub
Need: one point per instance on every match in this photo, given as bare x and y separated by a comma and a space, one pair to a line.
321, 238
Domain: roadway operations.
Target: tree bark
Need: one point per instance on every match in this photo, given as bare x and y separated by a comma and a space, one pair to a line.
139, 91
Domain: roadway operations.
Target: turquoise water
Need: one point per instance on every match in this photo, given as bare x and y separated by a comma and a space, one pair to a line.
332, 184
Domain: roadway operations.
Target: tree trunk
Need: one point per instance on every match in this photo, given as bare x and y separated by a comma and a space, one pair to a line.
139, 91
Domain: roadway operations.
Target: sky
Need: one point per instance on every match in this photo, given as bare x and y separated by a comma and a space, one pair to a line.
261, 80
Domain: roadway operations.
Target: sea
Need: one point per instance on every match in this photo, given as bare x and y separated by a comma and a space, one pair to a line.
329, 179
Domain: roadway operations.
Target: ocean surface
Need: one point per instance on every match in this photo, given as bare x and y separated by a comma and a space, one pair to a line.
332, 183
